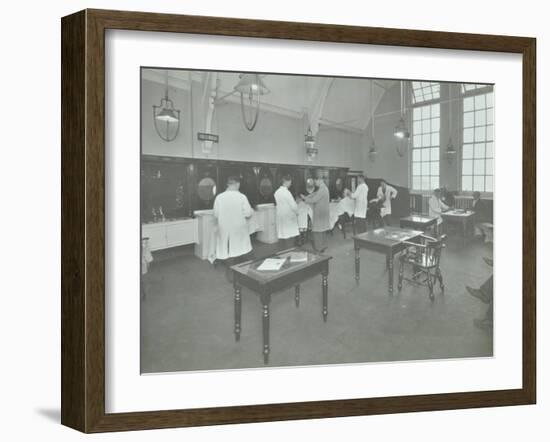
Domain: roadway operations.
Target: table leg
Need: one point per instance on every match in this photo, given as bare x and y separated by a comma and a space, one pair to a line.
297, 295
325, 295
237, 288
357, 265
265, 325
389, 259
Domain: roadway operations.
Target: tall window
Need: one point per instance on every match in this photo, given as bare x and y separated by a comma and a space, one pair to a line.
478, 143
425, 151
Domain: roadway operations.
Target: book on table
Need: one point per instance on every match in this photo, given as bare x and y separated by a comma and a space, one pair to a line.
298, 257
271, 264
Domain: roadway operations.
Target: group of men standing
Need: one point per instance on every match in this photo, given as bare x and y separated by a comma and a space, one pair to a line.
232, 211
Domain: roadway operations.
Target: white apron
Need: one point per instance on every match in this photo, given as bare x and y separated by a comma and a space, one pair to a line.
287, 214
231, 209
386, 196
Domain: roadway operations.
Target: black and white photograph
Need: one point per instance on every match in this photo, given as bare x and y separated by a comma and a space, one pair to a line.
293, 220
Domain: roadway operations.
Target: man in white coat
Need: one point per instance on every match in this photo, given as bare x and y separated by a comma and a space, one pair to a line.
436, 207
287, 213
361, 197
231, 210
384, 195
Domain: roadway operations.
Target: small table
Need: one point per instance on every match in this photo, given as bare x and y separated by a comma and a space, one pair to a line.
464, 218
418, 222
266, 283
387, 240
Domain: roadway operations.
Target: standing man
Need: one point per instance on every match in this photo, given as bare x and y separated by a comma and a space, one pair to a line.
319, 201
232, 210
437, 207
384, 195
287, 213
361, 197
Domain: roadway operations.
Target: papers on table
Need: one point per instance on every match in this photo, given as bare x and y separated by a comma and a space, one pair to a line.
271, 264
298, 257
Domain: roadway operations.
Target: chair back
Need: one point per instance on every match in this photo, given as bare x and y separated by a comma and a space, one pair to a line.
433, 249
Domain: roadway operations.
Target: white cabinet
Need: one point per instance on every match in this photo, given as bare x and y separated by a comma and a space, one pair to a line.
168, 234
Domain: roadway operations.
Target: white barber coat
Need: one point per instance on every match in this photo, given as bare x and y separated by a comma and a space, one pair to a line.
436, 208
361, 196
287, 214
386, 196
231, 209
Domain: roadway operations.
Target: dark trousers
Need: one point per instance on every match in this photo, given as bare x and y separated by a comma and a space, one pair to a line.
319, 241
360, 225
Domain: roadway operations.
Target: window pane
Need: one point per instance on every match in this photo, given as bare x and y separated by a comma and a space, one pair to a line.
489, 167
435, 139
468, 119
480, 118
468, 151
435, 110
488, 184
425, 183
468, 135
490, 132
489, 150
479, 101
417, 127
467, 167
479, 183
416, 169
480, 133
467, 183
479, 167
434, 168
416, 154
425, 112
417, 113
434, 154
425, 140
490, 99
425, 126
489, 116
468, 104
417, 141
479, 150
416, 183
425, 154
435, 125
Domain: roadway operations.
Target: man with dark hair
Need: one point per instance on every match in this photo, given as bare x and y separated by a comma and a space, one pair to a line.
361, 197
384, 195
287, 213
231, 210
319, 202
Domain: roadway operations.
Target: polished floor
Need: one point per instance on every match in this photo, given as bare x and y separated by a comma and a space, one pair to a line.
187, 314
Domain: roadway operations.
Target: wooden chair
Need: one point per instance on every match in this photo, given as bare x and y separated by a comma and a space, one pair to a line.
423, 259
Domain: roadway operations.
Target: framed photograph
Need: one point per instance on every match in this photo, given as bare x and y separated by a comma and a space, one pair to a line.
270, 220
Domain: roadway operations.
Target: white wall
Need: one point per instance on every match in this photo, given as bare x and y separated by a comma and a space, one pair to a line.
30, 259
275, 139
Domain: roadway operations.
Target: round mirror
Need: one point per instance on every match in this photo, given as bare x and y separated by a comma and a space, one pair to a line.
266, 187
207, 189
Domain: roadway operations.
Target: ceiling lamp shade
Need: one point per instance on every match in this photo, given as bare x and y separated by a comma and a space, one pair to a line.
250, 87
309, 142
166, 116
401, 130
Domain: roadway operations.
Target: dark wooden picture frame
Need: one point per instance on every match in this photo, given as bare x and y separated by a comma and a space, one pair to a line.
83, 219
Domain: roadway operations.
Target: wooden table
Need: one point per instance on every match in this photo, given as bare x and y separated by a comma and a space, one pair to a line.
389, 241
463, 218
266, 283
418, 222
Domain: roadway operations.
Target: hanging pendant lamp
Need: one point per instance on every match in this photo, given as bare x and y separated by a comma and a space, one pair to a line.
250, 87
166, 116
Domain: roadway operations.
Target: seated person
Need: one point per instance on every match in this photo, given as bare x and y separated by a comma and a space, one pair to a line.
483, 225
346, 207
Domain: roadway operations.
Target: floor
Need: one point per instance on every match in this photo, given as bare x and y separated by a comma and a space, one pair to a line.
187, 314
